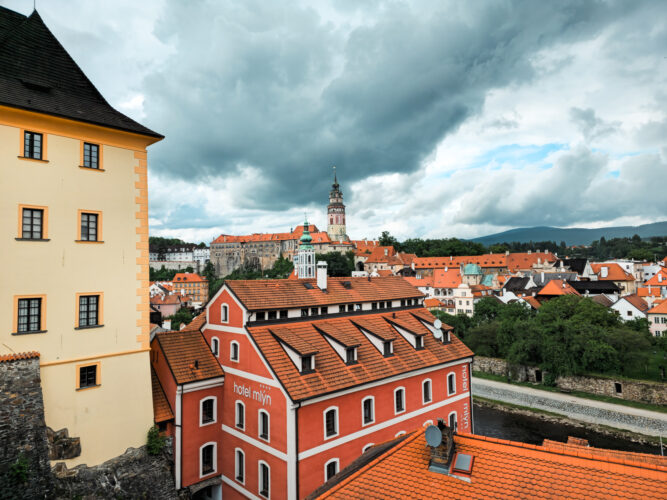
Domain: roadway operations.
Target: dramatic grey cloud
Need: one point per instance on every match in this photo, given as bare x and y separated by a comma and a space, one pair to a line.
443, 118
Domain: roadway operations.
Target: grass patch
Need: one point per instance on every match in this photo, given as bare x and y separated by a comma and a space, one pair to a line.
580, 394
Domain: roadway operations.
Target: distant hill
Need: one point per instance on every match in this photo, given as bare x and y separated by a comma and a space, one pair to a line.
573, 236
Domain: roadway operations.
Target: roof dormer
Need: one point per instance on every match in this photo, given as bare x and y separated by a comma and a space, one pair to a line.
345, 345
442, 333
415, 339
300, 352
381, 338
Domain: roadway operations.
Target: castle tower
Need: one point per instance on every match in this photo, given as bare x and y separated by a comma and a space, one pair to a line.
336, 213
305, 259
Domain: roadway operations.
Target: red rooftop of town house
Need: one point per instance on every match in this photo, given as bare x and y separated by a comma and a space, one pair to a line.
659, 280
614, 272
18, 356
161, 409
188, 278
505, 469
557, 287
189, 356
660, 308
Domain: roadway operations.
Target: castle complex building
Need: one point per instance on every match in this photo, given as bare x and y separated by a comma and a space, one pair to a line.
74, 220
260, 251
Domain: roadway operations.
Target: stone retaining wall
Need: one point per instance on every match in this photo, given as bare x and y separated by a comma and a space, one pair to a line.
635, 390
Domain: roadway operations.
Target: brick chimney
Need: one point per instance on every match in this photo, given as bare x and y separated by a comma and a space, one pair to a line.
441, 455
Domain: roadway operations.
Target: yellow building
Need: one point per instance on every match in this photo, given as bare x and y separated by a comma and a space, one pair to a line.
74, 225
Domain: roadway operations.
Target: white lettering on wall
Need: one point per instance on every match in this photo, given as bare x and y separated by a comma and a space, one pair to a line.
260, 395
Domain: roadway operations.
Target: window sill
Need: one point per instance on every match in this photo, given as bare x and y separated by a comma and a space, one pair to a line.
89, 387
32, 159
331, 437
204, 424
32, 239
87, 327
88, 241
92, 168
29, 333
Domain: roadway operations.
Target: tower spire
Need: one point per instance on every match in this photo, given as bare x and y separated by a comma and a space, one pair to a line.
335, 178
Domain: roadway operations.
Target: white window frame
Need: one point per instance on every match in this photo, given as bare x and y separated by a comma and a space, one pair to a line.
201, 411
236, 465
224, 307
332, 461
404, 401
231, 351
236, 415
456, 419
324, 421
259, 479
452, 374
372, 399
259, 425
367, 447
215, 341
215, 459
430, 391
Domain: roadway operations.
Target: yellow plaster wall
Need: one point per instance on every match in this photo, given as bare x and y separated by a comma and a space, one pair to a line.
116, 415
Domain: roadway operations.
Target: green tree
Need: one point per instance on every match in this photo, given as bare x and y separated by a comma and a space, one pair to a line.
338, 264
387, 240
281, 268
182, 316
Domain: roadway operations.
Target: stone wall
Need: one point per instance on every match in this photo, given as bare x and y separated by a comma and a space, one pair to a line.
24, 464
633, 390
174, 265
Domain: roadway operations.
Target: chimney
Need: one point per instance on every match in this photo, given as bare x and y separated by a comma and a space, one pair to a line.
604, 271
322, 275
507, 252
441, 446
542, 277
386, 252
529, 252
445, 268
660, 278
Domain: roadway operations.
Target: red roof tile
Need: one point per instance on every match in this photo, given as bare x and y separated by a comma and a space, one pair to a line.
557, 287
637, 301
614, 272
18, 356
282, 294
188, 278
161, 409
196, 324
507, 469
645, 292
426, 281
331, 373
450, 278
659, 280
189, 356
660, 308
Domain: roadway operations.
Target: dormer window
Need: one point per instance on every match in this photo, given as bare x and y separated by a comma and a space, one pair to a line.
350, 355
261, 316
388, 348
313, 311
419, 342
272, 315
307, 363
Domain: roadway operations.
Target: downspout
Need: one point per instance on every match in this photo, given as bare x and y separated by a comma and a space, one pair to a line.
178, 465
296, 427
472, 406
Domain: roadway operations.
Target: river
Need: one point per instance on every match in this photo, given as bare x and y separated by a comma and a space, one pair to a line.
496, 423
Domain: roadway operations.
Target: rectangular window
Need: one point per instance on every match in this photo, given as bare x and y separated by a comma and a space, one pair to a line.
32, 223
91, 153
264, 425
89, 310
240, 466
264, 480
272, 314
207, 411
368, 411
427, 391
399, 403
29, 315
349, 355
240, 416
32, 145
87, 376
207, 460
330, 423
387, 348
89, 226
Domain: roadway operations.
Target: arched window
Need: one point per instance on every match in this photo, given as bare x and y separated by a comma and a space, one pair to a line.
451, 384
368, 410
263, 424
331, 469
264, 479
428, 422
207, 411
367, 447
399, 400
240, 415
215, 346
239, 465
234, 351
330, 422
399, 433
453, 421
224, 313
207, 459
426, 391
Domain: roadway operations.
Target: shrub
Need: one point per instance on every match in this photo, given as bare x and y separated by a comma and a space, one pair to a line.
155, 441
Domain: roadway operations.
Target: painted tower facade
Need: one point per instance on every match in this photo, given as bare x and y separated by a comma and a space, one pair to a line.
336, 213
306, 256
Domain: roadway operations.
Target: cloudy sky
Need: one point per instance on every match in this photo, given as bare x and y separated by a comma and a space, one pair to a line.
443, 118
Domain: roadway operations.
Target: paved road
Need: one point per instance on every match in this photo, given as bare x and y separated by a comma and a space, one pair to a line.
621, 417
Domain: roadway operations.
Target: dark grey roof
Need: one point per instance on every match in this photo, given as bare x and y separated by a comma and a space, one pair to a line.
516, 284
540, 282
577, 265
37, 74
594, 287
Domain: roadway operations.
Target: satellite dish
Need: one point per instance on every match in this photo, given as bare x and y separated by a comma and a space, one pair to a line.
433, 436
438, 334
437, 324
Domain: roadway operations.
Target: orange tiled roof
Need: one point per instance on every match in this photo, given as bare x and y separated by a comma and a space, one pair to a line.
660, 308
451, 278
637, 301
614, 272
574, 446
513, 261
365, 245
174, 298
188, 278
197, 322
525, 260
384, 272
534, 303
378, 254
282, 294
189, 356
161, 409
331, 373
426, 281
259, 237
644, 291
558, 287
432, 302
506, 469
18, 356
660, 279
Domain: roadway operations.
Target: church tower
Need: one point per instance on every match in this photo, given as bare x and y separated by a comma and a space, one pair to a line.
336, 213
305, 259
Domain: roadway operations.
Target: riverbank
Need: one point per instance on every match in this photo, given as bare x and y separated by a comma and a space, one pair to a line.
635, 420
527, 425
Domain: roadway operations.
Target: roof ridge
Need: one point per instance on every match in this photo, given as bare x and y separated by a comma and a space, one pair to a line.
372, 463
16, 27
19, 356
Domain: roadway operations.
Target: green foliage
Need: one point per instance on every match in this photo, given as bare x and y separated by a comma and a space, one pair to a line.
154, 441
568, 335
18, 471
182, 316
338, 264
281, 269
163, 274
387, 240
